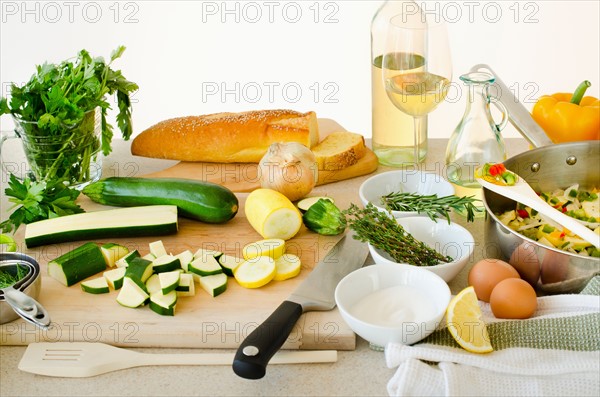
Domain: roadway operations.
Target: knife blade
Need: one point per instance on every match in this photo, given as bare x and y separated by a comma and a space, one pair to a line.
316, 292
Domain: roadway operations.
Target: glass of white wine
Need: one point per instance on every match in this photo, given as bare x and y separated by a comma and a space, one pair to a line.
416, 69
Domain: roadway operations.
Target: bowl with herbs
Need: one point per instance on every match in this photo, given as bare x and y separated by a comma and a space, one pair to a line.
415, 193
438, 246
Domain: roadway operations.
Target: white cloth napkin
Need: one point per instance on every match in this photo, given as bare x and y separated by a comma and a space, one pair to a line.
555, 353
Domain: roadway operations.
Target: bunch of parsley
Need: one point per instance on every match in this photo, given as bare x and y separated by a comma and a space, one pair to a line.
59, 95
37, 201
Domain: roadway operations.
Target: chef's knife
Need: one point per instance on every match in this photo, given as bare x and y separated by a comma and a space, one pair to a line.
314, 293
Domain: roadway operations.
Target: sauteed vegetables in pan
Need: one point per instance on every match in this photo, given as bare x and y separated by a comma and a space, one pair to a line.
578, 203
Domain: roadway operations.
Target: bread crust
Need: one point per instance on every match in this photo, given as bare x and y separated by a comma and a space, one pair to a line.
340, 150
226, 137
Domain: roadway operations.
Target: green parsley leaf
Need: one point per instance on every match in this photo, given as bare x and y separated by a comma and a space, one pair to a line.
36, 201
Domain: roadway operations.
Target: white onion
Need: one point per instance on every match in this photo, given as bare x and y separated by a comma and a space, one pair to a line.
289, 168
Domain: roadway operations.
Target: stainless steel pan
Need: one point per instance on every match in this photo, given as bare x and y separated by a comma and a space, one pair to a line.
546, 168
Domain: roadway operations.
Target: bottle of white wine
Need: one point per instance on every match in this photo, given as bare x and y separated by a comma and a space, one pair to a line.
393, 131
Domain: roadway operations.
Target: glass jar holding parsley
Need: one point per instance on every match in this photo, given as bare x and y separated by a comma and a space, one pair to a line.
60, 117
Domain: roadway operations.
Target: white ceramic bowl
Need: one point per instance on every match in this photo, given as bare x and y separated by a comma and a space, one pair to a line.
417, 182
448, 239
411, 322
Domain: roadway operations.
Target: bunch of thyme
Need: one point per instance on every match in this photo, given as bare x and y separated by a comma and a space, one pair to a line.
431, 205
385, 233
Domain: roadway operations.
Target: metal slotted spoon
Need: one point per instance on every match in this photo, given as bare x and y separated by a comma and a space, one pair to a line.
83, 359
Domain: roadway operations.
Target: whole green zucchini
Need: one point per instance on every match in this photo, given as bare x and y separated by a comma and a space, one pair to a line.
203, 201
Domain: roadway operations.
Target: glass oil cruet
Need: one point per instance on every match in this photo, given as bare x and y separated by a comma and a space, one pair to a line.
477, 139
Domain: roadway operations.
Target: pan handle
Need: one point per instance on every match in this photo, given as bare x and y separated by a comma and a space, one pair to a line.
518, 115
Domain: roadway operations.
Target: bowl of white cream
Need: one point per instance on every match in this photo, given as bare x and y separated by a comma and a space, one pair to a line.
392, 303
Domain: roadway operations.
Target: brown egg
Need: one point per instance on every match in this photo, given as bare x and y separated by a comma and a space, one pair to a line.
555, 267
487, 273
513, 298
524, 260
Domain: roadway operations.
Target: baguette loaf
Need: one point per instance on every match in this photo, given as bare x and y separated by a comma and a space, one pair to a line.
339, 150
226, 137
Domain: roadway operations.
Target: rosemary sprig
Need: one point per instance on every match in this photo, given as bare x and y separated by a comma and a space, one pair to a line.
383, 232
431, 205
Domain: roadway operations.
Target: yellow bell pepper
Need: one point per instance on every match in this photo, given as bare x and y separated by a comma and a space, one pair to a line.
569, 117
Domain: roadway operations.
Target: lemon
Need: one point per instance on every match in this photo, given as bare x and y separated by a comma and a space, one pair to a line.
274, 247
465, 324
11, 245
288, 266
256, 272
272, 214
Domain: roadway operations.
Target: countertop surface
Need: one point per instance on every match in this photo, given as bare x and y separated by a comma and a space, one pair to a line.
361, 372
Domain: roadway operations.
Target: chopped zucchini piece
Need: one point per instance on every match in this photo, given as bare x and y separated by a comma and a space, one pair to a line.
153, 284
185, 258
95, 286
77, 265
169, 281
115, 277
139, 271
186, 285
308, 202
163, 304
158, 249
113, 252
206, 266
166, 263
131, 295
207, 253
149, 257
127, 259
215, 285
229, 263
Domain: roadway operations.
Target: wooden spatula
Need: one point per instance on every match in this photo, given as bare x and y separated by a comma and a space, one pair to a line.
82, 359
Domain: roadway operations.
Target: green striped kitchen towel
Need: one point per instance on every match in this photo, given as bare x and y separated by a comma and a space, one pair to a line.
554, 353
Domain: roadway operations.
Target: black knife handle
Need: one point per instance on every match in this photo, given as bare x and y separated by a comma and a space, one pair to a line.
256, 350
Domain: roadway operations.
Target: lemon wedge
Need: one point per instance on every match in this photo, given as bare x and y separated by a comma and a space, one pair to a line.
256, 272
11, 245
465, 324
273, 247
288, 266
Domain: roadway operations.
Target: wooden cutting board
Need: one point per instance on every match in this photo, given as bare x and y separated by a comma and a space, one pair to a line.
200, 321
244, 177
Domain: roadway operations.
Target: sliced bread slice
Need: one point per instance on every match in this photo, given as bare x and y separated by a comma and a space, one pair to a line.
339, 150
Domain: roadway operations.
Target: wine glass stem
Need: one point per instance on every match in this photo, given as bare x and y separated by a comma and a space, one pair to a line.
418, 122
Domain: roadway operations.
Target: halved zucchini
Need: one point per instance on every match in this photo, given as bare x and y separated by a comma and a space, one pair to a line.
123, 222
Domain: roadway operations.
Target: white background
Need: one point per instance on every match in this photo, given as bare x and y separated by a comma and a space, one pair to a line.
179, 52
